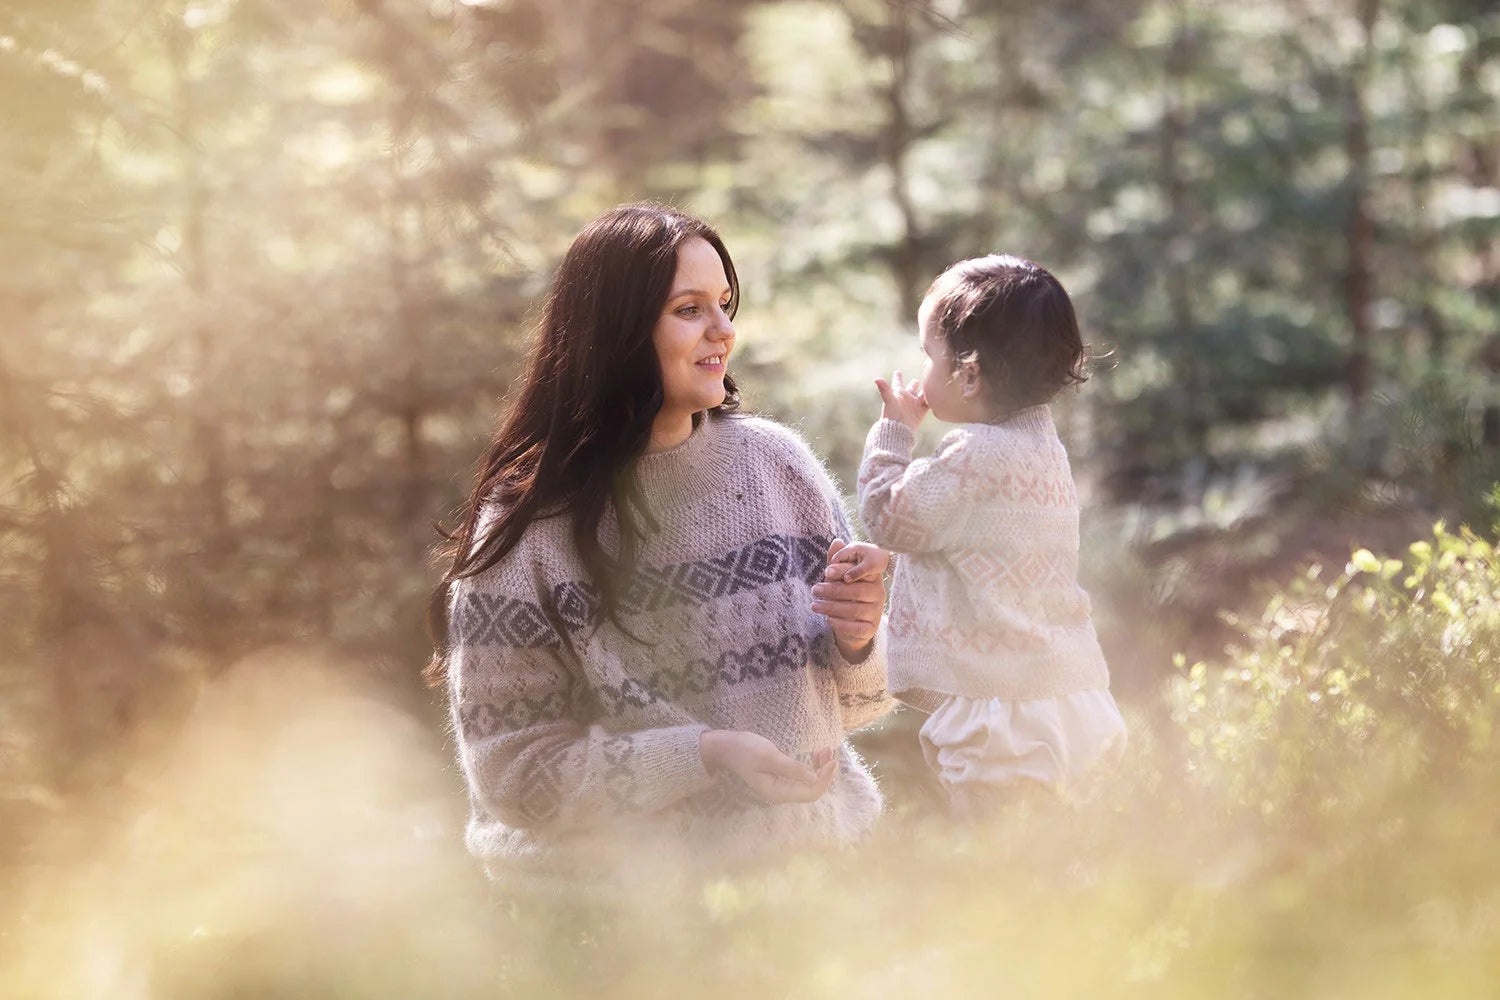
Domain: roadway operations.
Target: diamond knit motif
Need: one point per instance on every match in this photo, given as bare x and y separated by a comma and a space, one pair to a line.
761, 562
648, 589
1033, 489
707, 579
1027, 572
810, 555
619, 775
540, 794
900, 533
483, 619
576, 602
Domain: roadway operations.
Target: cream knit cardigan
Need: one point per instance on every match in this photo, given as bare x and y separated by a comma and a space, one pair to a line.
579, 745
985, 602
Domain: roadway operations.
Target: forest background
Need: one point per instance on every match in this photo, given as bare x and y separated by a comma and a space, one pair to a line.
266, 271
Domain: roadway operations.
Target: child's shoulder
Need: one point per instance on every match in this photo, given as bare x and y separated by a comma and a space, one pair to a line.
966, 439
988, 444
1033, 424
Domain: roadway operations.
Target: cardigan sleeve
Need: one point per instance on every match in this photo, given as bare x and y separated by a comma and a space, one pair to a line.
527, 752
912, 506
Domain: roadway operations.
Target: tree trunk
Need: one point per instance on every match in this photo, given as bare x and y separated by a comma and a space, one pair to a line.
1178, 255
906, 259
410, 406
207, 438
1423, 239
1360, 229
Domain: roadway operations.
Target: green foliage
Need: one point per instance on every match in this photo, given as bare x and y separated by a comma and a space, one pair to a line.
268, 267
1352, 694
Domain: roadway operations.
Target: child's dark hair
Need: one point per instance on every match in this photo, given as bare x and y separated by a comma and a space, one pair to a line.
1014, 320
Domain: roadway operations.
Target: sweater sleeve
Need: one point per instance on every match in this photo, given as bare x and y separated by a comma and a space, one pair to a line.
863, 697
912, 506
527, 751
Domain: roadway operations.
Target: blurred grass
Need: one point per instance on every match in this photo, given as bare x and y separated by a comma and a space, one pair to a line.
1315, 823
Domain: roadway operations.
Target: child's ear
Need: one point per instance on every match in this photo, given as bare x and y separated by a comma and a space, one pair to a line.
968, 378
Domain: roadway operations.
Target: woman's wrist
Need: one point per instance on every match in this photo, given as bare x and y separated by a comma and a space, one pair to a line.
710, 749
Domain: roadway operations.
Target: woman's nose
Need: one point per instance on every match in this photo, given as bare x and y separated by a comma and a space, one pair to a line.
722, 327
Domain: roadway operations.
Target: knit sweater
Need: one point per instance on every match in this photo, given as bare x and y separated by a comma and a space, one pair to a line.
985, 601
580, 745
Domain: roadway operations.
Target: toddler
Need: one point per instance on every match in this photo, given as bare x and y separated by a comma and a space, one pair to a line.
988, 630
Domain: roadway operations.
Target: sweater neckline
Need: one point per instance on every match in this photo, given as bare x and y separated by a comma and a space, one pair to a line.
1032, 418
687, 471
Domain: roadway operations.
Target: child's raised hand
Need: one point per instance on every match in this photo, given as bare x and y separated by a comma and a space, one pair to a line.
903, 403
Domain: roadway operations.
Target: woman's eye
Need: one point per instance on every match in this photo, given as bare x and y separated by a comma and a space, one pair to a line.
688, 311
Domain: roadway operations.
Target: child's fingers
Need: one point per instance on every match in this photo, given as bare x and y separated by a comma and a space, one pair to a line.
887, 395
865, 569
858, 561
848, 559
853, 563
846, 553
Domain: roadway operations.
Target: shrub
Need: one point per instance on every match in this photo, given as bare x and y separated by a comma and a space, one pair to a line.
1383, 682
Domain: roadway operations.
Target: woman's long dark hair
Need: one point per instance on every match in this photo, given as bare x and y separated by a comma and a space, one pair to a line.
583, 415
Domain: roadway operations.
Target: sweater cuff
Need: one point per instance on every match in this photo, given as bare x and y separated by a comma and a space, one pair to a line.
891, 436
863, 697
681, 772
870, 669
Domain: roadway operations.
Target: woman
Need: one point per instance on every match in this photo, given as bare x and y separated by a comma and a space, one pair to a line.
650, 647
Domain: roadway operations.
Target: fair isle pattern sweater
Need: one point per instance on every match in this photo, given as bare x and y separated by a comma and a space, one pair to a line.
985, 602
580, 744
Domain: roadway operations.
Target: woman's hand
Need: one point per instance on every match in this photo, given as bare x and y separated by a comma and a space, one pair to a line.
852, 595
901, 402
770, 773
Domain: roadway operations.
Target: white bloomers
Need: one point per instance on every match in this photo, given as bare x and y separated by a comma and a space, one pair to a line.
1055, 742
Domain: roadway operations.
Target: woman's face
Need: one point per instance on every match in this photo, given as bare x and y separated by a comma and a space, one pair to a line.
693, 338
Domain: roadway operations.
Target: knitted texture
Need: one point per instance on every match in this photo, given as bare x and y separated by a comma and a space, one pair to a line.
580, 744
985, 602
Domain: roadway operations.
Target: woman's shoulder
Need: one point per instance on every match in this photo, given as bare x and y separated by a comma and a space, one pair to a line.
767, 438
540, 558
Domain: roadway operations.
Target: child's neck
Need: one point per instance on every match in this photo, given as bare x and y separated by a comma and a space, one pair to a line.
978, 411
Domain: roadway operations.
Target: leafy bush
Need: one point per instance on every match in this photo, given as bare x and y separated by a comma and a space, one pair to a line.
1380, 683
